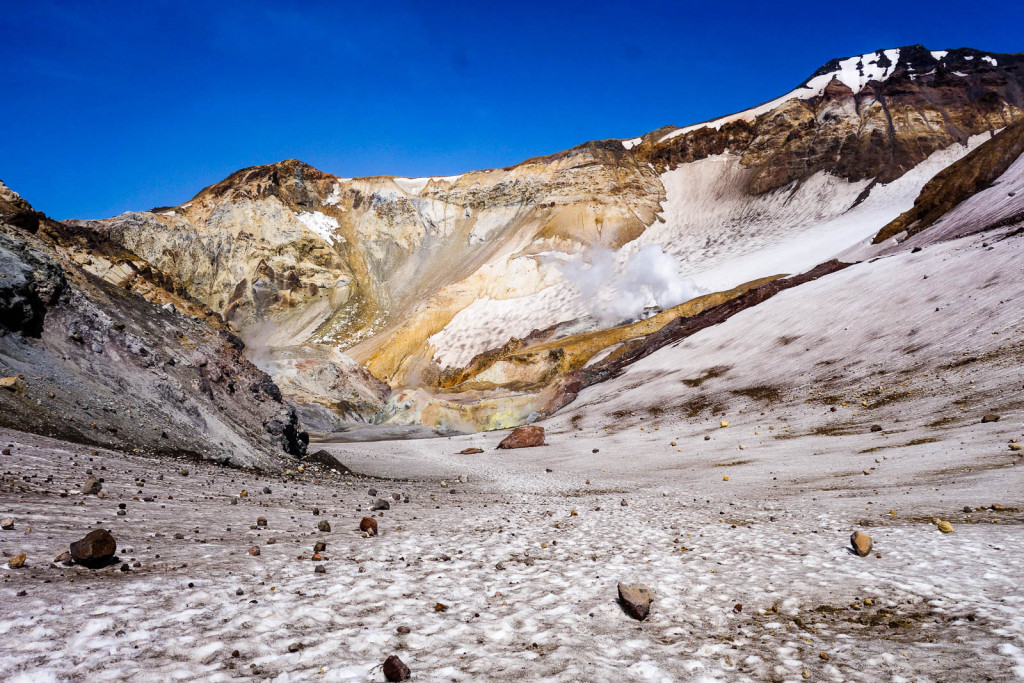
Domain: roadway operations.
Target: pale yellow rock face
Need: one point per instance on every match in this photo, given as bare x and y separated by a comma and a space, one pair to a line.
297, 258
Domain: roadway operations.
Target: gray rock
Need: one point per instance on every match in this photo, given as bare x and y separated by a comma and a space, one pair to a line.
92, 486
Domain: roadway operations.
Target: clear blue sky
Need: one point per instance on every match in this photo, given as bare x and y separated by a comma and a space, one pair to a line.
115, 106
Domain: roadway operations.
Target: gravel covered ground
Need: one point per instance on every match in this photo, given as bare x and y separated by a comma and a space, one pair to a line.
741, 532
751, 579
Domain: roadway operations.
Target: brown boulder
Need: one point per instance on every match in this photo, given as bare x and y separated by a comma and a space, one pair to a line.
395, 669
368, 525
861, 543
324, 526
635, 600
524, 437
17, 562
991, 417
91, 486
471, 451
95, 550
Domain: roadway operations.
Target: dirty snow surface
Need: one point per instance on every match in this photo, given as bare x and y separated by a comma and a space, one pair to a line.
745, 550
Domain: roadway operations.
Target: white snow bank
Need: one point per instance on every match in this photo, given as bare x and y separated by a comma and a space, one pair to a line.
723, 237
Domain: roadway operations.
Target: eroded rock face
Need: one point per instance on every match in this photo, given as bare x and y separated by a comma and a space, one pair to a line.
32, 282
327, 387
297, 257
91, 321
961, 180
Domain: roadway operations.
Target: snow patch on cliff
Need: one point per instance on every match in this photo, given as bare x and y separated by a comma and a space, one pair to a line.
335, 196
320, 223
723, 237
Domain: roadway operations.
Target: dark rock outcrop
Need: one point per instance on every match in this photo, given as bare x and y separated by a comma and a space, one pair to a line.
925, 104
31, 283
103, 337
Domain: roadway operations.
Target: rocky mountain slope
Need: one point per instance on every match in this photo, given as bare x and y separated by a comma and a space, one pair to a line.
423, 280
98, 348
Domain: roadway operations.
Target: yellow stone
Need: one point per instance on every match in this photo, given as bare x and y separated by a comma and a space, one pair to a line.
10, 383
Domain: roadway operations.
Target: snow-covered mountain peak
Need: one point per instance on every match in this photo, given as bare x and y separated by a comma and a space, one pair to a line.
880, 66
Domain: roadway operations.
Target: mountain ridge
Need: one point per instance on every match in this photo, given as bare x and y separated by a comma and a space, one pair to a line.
415, 277
917, 56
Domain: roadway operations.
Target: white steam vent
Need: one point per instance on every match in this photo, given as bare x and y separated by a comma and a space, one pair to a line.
613, 295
